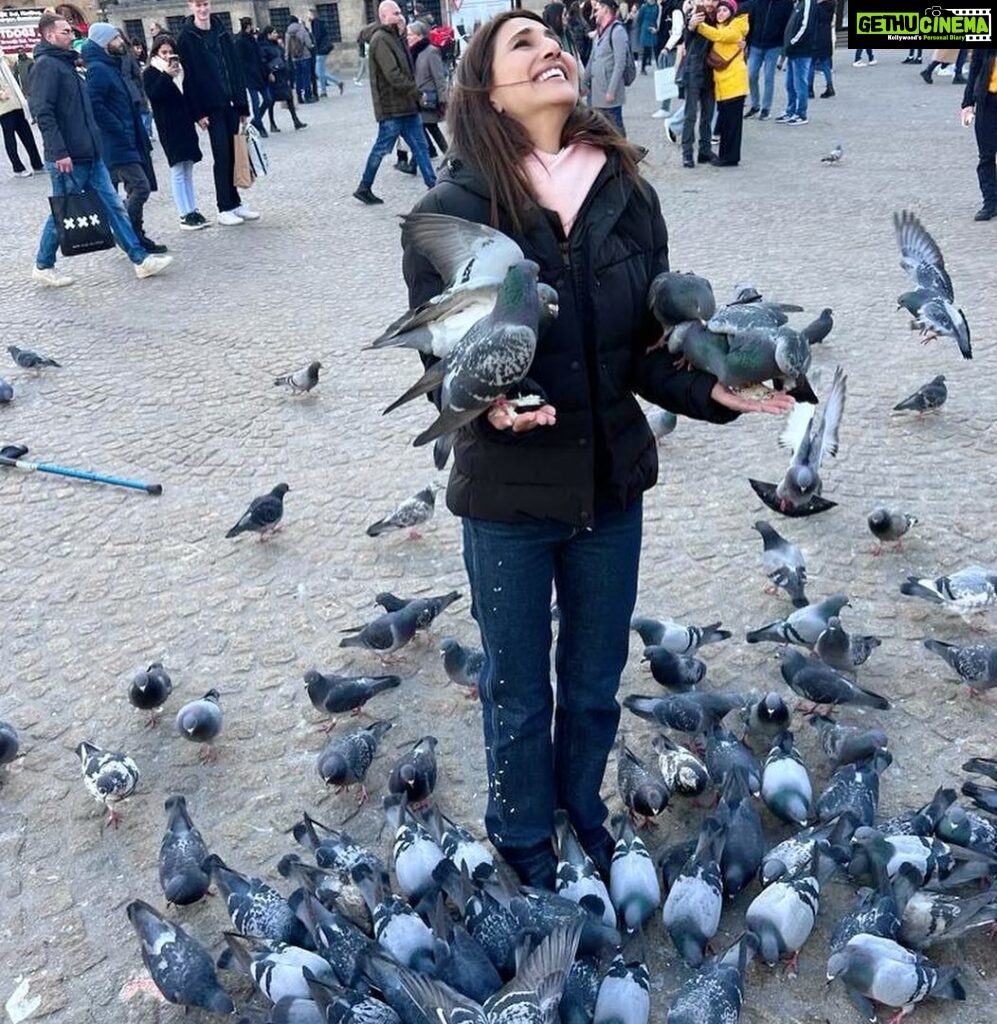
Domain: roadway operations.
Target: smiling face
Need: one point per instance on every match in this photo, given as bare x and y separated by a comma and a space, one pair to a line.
201, 9
722, 14
530, 73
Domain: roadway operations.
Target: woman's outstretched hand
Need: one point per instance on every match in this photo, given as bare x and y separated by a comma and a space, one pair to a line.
776, 404
503, 416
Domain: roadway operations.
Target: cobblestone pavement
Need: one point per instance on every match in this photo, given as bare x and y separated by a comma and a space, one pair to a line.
170, 380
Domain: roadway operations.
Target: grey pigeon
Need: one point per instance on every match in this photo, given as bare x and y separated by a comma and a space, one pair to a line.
786, 788
335, 849
966, 592
149, 691
692, 713
463, 665
877, 911
726, 755
625, 993
493, 356
661, 421
676, 672
414, 853
817, 330
847, 744
334, 694
835, 156
783, 914
744, 842
683, 772
200, 721
301, 381
802, 626
278, 972
675, 637
459, 846
643, 792
783, 563
714, 994
745, 292
398, 929
336, 938
674, 298
10, 743
425, 609
580, 992
578, 878
920, 822
982, 766
766, 717
889, 526
263, 515
877, 970
791, 856
692, 908
181, 856
414, 774
975, 664
181, 968
410, 514
933, 917
928, 396
932, 302
844, 651
29, 360
944, 865
633, 878
854, 789
386, 634
331, 887
819, 684
966, 828
6, 392
109, 776
344, 760
461, 962
743, 316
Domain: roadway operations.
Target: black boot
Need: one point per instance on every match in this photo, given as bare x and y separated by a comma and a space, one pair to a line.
827, 93
988, 211
299, 124
154, 248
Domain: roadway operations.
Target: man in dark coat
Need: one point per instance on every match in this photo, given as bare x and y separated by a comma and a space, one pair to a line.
248, 50
215, 90
72, 143
396, 99
322, 38
979, 107
696, 79
124, 142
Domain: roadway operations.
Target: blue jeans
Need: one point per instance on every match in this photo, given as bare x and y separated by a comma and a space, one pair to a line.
92, 174
797, 85
409, 127
303, 77
323, 76
823, 65
614, 115
259, 99
859, 52
511, 567
759, 59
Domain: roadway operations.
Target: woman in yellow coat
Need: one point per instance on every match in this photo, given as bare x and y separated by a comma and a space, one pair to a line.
730, 82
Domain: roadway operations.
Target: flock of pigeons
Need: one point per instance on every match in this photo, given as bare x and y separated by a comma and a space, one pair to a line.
437, 933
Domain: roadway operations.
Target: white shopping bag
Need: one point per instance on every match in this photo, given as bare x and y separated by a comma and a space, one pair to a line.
259, 160
664, 84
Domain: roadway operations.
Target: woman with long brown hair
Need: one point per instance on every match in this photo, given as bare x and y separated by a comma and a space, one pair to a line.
552, 497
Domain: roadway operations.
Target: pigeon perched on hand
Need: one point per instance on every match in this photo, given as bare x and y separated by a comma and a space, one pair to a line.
200, 721
386, 634
835, 156
181, 856
411, 513
932, 302
783, 563
802, 626
889, 526
674, 298
975, 664
6, 392
966, 592
263, 515
29, 360
301, 381
817, 330
928, 396
463, 665
110, 777
149, 691
335, 694
344, 760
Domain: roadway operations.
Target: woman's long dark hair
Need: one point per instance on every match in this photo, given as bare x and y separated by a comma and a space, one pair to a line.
496, 144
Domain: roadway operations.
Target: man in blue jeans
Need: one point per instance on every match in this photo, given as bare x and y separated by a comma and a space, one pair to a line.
766, 29
71, 138
396, 99
801, 47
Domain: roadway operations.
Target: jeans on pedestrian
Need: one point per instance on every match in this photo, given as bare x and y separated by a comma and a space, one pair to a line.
409, 127
323, 76
511, 567
859, 52
15, 126
182, 181
960, 62
677, 120
614, 115
361, 71
303, 77
259, 100
699, 107
94, 176
223, 124
146, 116
762, 61
797, 85
823, 65
133, 179
986, 143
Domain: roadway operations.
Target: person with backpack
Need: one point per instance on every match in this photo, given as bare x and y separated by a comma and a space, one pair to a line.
611, 67
298, 47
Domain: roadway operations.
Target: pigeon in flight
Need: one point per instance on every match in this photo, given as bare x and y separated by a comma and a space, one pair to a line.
301, 381
835, 156
889, 526
928, 396
29, 360
263, 515
932, 302
411, 513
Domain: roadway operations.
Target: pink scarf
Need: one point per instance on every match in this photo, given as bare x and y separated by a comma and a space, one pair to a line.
561, 181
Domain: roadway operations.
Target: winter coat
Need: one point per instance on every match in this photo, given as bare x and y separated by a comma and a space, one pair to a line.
647, 25
8, 83
825, 30
248, 50
603, 74
213, 78
174, 124
321, 37
275, 64
61, 106
392, 77
693, 72
131, 71
430, 77
594, 356
800, 39
579, 32
981, 69
768, 23
731, 81
298, 41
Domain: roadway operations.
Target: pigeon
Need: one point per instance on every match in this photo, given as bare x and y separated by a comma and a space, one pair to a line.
745, 292
888, 525
802, 626
683, 772
841, 650
263, 515
149, 691
415, 852
928, 396
815, 682
684, 712
415, 773
397, 927
726, 754
463, 665
425, 609
747, 315
817, 330
180, 967
933, 917
110, 777
675, 637
744, 843
181, 856
984, 797
765, 717
6, 392
877, 911
835, 156
786, 788
932, 302
624, 995
330, 887
920, 822
674, 298
29, 360
854, 788
633, 878
975, 664
344, 760
10, 743
336, 694
847, 744
878, 970
945, 865
200, 721
783, 563
336, 938
411, 513
675, 672
981, 766
714, 994
494, 354
792, 855
386, 634
967, 591
460, 961
643, 793
580, 992
278, 972
966, 828
577, 875
336, 850
661, 421
692, 908
301, 381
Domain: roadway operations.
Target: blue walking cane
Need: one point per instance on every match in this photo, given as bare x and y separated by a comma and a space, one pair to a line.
13, 455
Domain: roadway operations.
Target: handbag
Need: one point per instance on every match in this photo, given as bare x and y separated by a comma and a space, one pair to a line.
665, 86
242, 170
718, 63
259, 159
81, 222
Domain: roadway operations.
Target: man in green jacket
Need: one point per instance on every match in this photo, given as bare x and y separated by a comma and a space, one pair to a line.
395, 96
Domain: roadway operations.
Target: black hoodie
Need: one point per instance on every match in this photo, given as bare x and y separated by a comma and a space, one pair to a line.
213, 77
60, 105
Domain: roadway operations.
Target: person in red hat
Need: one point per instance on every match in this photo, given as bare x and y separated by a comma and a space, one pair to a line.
730, 75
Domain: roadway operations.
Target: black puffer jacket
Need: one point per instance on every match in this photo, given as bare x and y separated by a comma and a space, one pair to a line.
61, 106
213, 78
601, 452
980, 70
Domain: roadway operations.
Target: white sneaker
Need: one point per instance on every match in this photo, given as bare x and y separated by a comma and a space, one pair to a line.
246, 213
873, 62
946, 72
858, 63
661, 113
152, 265
21, 174
229, 218
50, 277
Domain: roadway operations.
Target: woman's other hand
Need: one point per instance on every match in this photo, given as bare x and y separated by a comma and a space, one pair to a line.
775, 404
503, 416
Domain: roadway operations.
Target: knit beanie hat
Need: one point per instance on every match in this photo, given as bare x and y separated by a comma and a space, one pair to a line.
102, 33
731, 6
